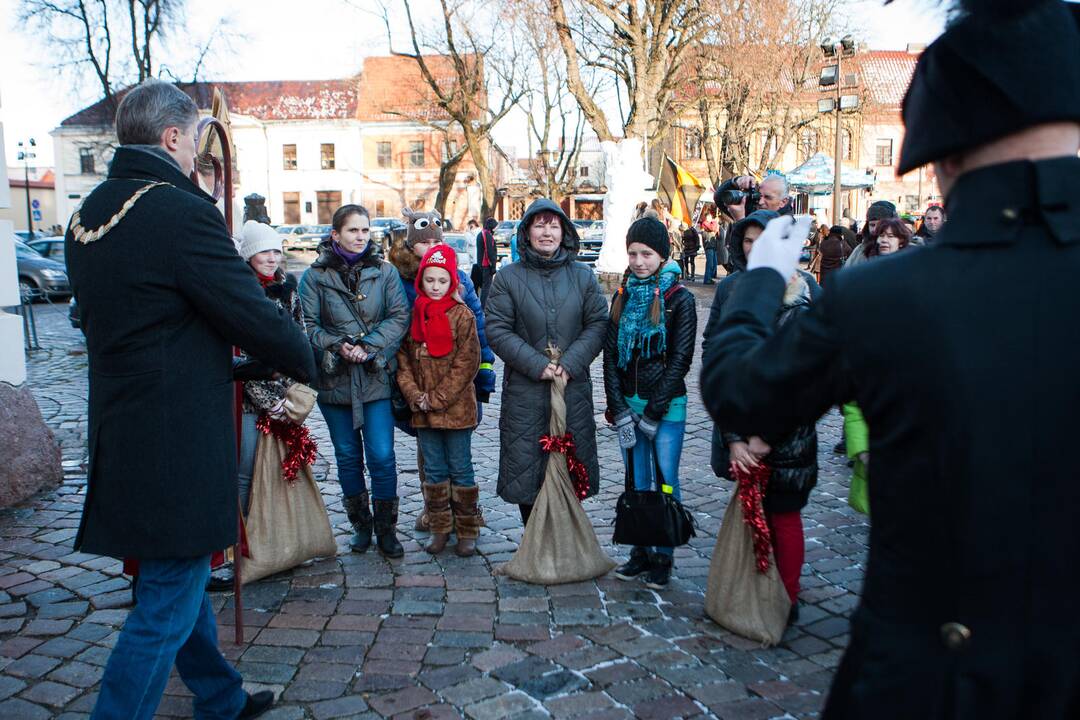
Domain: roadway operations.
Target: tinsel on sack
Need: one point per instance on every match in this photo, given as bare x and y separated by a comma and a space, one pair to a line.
578, 472
302, 450
751, 492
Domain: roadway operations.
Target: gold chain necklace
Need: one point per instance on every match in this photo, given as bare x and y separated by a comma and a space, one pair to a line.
84, 236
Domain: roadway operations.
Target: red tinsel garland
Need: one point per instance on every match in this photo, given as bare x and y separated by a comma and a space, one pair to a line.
578, 473
301, 449
751, 492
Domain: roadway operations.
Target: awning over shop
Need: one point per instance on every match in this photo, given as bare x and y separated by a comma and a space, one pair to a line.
815, 177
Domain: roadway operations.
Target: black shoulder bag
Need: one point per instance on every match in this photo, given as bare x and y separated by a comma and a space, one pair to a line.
650, 518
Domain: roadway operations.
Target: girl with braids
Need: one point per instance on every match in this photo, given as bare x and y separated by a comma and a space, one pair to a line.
647, 352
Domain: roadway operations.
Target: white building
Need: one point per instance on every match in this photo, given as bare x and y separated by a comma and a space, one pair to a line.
296, 143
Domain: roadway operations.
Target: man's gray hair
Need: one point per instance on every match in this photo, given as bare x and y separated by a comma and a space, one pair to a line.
777, 177
151, 107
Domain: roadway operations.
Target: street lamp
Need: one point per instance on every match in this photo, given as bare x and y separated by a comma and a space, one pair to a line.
832, 79
26, 154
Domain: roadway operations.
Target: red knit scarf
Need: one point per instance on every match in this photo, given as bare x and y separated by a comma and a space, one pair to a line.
265, 280
431, 325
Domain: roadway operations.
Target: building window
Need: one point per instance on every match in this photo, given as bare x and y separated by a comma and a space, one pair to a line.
380, 208
416, 153
583, 171
692, 144
86, 161
328, 201
291, 203
288, 157
808, 143
883, 152
326, 156
382, 150
845, 144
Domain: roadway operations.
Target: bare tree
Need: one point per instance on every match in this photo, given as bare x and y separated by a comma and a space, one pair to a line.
87, 35
463, 92
556, 123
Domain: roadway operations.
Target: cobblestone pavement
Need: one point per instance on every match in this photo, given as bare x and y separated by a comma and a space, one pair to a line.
422, 637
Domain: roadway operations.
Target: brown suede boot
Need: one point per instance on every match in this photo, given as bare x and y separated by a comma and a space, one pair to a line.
467, 518
437, 509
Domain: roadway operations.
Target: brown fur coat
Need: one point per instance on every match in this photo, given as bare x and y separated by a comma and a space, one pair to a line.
447, 380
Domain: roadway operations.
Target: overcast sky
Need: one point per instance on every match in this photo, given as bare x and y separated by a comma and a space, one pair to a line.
316, 39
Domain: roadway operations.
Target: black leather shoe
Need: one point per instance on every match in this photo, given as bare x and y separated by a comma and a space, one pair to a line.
256, 704
359, 514
635, 566
221, 579
841, 447
659, 571
793, 615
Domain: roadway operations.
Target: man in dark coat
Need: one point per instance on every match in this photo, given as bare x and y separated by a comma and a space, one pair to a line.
969, 603
163, 297
486, 260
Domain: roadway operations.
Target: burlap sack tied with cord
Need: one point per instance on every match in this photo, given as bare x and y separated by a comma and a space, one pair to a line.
749, 603
559, 544
287, 523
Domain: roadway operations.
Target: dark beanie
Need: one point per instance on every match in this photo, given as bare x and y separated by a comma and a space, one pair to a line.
1004, 66
650, 231
491, 223
881, 210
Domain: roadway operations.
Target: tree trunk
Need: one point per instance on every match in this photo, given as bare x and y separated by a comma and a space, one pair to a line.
447, 176
707, 133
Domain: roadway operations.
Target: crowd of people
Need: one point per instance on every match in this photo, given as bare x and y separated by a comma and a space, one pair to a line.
944, 628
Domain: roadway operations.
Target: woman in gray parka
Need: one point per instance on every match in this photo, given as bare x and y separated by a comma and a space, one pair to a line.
356, 314
546, 298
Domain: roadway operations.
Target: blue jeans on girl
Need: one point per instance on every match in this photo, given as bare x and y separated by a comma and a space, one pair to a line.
447, 456
374, 441
668, 447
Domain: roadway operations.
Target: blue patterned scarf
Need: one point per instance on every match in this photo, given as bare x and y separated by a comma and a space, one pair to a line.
636, 331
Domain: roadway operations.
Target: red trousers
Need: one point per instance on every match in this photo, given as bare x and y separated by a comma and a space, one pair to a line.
789, 548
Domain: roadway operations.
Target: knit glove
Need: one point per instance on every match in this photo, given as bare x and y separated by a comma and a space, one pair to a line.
780, 245
624, 426
485, 379
648, 428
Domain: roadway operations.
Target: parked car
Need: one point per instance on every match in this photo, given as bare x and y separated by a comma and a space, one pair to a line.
51, 247
39, 276
383, 230
592, 239
291, 235
311, 237
463, 248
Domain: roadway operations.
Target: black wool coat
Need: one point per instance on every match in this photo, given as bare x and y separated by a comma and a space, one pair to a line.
163, 297
969, 604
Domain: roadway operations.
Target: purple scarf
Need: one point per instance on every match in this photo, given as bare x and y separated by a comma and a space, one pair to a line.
350, 258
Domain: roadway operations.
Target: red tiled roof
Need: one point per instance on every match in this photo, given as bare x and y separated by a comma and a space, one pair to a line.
392, 88
266, 100
886, 74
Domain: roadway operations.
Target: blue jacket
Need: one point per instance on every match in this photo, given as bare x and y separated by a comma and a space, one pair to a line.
485, 378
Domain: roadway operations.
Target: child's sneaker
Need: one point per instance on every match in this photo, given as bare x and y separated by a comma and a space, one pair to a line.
636, 565
659, 571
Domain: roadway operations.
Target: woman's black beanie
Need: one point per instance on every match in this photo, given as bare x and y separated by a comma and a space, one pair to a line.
651, 232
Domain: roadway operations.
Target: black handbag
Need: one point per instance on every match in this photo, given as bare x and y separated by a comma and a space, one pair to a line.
399, 406
650, 518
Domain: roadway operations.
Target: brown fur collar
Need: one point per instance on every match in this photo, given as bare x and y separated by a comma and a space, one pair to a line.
404, 260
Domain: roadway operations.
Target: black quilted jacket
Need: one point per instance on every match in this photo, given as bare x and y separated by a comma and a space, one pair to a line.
659, 378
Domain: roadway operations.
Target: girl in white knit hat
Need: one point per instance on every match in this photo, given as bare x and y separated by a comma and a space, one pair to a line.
260, 247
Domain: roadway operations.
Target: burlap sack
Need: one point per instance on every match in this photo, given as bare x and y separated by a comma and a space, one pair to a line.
287, 523
299, 402
559, 545
738, 597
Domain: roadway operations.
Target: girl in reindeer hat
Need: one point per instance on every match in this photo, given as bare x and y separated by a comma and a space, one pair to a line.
437, 362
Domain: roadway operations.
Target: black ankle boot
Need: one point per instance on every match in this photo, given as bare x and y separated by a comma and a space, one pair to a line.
635, 566
386, 516
659, 571
359, 514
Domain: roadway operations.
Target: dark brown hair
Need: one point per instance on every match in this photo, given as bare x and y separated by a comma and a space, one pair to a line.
899, 228
344, 212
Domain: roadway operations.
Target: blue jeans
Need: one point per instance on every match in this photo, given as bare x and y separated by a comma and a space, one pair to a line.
245, 467
375, 441
172, 623
668, 446
447, 456
710, 265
